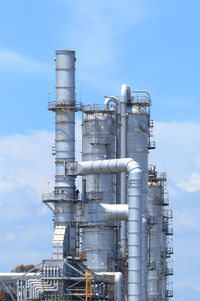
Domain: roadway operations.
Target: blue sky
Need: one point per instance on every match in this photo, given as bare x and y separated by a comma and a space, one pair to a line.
152, 45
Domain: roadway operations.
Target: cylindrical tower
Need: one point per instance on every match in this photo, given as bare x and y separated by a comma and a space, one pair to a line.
99, 143
159, 250
154, 206
138, 132
65, 121
64, 191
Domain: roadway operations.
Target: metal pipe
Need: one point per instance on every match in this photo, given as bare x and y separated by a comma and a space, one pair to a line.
118, 283
110, 99
125, 95
115, 212
144, 257
135, 213
142, 91
19, 275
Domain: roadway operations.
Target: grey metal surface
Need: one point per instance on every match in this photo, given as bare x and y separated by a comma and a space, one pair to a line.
99, 130
159, 248
98, 244
125, 95
118, 284
155, 247
65, 147
115, 211
137, 148
110, 99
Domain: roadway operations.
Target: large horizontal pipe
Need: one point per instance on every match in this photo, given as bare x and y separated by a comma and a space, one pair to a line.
135, 213
106, 212
115, 212
19, 275
107, 166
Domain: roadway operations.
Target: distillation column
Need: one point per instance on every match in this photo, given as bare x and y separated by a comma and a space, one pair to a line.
99, 129
138, 126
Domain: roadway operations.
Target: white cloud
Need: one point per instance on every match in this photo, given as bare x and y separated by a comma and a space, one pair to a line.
178, 146
10, 236
186, 219
100, 33
196, 287
198, 160
10, 60
6, 186
42, 211
26, 161
26, 168
182, 284
192, 184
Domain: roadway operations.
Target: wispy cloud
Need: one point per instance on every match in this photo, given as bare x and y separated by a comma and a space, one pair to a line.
13, 61
10, 236
177, 150
187, 219
100, 33
192, 184
26, 167
24, 161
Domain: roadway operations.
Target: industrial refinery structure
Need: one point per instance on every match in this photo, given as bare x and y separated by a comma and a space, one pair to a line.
113, 240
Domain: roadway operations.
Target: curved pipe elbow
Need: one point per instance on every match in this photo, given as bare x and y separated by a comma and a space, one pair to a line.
110, 99
125, 93
107, 166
